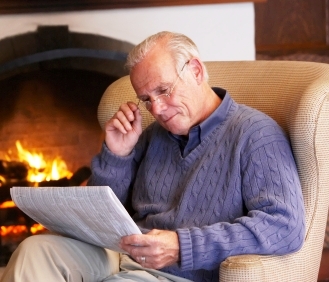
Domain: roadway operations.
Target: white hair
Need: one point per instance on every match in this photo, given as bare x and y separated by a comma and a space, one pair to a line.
179, 45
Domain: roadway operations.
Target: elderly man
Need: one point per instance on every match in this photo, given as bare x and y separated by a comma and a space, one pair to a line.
208, 179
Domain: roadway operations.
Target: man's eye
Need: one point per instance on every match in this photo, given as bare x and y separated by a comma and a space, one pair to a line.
144, 99
164, 91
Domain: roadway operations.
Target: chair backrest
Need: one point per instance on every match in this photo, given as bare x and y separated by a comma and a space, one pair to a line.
296, 95
118, 92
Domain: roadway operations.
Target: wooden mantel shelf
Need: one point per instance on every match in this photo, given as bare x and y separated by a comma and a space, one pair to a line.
35, 6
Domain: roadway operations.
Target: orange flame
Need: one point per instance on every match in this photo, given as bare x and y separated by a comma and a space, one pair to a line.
13, 229
19, 229
7, 204
39, 170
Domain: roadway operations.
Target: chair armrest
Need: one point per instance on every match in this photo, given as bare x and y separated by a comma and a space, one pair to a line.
243, 268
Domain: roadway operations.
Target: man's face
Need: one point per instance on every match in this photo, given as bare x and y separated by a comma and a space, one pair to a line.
156, 75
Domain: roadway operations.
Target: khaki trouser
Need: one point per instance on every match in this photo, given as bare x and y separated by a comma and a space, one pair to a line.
51, 258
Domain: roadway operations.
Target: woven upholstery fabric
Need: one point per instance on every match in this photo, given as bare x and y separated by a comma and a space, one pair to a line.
296, 95
117, 93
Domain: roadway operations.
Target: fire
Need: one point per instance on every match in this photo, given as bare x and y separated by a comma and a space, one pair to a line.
13, 229
39, 168
7, 204
19, 229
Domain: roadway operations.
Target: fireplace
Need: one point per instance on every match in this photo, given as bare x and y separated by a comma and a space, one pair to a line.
51, 82
53, 112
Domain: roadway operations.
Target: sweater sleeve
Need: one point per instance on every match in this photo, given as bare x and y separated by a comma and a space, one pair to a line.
114, 171
274, 221
118, 172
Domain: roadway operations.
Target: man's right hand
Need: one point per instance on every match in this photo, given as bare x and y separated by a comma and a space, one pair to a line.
123, 129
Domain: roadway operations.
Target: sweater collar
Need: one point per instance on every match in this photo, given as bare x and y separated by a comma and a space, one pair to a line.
200, 131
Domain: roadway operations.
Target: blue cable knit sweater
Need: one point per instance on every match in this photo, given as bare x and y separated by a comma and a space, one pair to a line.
238, 192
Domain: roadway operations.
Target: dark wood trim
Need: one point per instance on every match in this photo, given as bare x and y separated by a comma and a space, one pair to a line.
324, 266
284, 27
36, 6
327, 21
277, 49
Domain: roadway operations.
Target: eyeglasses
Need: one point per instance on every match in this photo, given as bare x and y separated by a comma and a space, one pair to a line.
147, 104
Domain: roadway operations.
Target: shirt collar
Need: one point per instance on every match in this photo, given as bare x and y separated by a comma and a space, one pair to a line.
217, 115
200, 131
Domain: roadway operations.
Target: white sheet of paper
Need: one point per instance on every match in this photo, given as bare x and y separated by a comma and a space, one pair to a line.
92, 214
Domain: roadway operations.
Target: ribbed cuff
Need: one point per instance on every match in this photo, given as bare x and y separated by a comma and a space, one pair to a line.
185, 242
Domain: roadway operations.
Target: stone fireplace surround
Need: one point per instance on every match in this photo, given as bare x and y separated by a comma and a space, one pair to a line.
57, 47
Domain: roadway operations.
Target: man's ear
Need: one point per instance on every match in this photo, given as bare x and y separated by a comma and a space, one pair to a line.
195, 66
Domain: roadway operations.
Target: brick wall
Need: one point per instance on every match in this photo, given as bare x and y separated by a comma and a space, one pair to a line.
53, 112
51, 81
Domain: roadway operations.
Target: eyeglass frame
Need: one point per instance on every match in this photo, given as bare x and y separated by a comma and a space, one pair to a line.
148, 103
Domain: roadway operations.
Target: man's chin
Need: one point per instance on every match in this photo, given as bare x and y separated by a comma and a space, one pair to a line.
176, 131
174, 127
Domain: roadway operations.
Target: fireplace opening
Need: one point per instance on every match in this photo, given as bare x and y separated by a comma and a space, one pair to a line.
51, 82
52, 112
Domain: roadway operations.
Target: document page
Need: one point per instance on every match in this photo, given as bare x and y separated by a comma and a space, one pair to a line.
92, 214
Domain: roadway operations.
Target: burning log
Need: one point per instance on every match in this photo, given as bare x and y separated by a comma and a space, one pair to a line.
77, 179
5, 189
81, 175
30, 170
13, 170
14, 224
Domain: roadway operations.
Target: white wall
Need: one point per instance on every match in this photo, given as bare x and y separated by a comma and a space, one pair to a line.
222, 31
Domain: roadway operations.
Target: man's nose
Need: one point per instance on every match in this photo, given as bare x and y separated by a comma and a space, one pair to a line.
158, 107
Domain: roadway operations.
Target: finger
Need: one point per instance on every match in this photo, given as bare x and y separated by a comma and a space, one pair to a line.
129, 114
115, 124
122, 120
146, 261
128, 110
133, 106
118, 123
142, 260
135, 245
138, 253
136, 240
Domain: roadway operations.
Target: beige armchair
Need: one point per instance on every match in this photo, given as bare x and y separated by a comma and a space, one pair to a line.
296, 95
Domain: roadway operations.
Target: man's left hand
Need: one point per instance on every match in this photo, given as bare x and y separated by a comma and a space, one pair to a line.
156, 249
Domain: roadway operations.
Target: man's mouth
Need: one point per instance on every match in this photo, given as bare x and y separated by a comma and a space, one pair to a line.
167, 119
